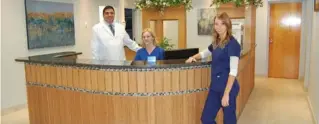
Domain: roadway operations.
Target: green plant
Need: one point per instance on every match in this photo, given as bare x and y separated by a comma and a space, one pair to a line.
257, 3
164, 43
162, 4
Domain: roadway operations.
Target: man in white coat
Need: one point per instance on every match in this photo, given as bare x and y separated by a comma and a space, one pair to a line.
110, 37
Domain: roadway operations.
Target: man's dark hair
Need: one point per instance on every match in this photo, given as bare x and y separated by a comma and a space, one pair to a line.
108, 7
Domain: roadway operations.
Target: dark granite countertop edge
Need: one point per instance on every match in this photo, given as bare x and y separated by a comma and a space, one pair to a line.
121, 67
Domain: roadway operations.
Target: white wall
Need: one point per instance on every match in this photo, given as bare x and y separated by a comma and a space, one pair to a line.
0, 46
194, 40
170, 30
262, 39
261, 58
314, 67
14, 43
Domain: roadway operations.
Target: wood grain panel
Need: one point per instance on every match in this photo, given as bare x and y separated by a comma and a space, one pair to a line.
53, 75
27, 68
82, 78
129, 54
101, 80
69, 74
175, 81
75, 78
116, 82
88, 83
56, 106
159, 81
175, 13
197, 78
167, 84
205, 75
64, 79
141, 84
37, 73
232, 11
190, 79
76, 110
59, 75
47, 74
149, 81
93, 76
284, 46
183, 79
31, 98
42, 74
132, 82
60, 106
108, 81
124, 82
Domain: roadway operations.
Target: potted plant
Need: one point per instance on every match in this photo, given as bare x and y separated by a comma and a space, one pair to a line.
162, 4
238, 3
164, 43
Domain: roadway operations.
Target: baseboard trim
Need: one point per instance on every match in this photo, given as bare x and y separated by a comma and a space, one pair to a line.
312, 111
13, 109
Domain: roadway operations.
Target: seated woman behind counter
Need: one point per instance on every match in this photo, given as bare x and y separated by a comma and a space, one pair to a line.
149, 47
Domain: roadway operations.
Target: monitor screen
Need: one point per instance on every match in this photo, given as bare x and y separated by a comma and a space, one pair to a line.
180, 53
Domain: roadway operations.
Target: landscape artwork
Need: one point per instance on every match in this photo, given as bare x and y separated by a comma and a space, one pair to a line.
49, 24
205, 21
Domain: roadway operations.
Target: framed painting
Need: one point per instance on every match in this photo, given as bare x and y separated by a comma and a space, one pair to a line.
49, 24
316, 5
205, 17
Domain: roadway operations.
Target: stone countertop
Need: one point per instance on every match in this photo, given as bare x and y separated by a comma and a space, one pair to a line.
62, 60
68, 59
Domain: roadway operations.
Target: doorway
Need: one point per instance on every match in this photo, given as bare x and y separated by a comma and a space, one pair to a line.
284, 40
170, 24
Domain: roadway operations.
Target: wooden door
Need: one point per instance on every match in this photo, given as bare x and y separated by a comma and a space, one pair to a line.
284, 42
153, 18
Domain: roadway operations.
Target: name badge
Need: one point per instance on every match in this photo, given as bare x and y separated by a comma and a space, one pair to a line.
151, 59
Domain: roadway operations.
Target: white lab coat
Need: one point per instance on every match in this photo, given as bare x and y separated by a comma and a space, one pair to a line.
106, 46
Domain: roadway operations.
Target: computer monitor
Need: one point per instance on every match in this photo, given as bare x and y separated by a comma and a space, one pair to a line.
180, 53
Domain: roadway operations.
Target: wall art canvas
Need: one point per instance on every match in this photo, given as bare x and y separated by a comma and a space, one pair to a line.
205, 21
49, 24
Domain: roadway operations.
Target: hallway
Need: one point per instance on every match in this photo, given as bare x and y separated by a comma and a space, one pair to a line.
277, 101
273, 101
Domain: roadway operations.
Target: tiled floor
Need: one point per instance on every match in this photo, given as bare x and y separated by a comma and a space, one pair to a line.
277, 101
273, 101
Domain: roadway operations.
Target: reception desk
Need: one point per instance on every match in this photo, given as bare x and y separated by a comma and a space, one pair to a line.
68, 90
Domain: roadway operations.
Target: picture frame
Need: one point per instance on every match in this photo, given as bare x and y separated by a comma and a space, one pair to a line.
49, 24
316, 5
205, 17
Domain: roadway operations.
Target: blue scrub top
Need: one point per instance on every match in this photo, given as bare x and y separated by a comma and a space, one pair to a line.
220, 65
142, 54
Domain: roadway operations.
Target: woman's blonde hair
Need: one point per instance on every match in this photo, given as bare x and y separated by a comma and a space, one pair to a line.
152, 34
216, 38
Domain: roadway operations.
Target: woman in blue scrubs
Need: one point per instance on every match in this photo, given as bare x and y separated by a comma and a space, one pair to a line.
224, 87
149, 50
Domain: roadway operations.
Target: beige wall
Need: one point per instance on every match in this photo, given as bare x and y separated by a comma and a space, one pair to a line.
14, 43
314, 67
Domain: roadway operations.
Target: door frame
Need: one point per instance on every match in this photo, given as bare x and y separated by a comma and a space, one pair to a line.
169, 14
302, 44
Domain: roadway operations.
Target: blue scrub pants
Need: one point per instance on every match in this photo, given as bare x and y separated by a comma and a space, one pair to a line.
213, 104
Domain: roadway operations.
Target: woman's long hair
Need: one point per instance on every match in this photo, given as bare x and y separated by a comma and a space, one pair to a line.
152, 34
216, 38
